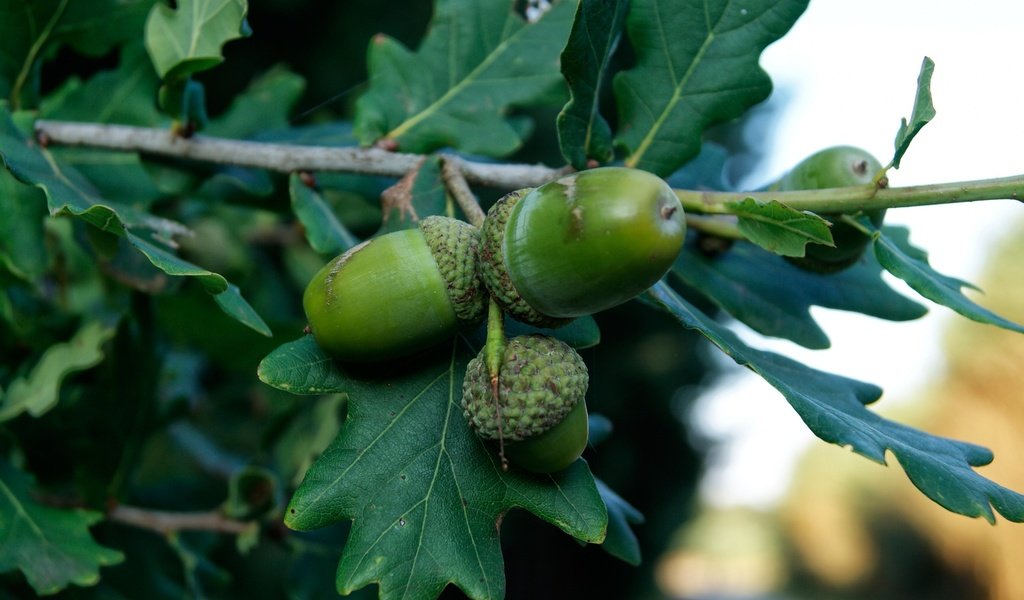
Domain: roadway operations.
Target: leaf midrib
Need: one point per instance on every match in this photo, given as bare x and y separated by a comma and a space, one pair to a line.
457, 89
677, 93
20, 511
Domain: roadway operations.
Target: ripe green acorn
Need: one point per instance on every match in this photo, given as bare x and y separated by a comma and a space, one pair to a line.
580, 244
540, 414
839, 166
397, 294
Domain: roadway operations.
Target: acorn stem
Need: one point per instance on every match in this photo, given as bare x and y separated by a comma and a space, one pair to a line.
455, 181
494, 355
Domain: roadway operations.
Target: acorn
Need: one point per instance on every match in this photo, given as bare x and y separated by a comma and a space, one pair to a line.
540, 415
580, 244
399, 293
839, 166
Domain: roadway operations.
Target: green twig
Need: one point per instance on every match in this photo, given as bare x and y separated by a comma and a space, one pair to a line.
863, 197
719, 226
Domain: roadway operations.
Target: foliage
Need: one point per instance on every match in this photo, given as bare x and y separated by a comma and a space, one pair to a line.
160, 407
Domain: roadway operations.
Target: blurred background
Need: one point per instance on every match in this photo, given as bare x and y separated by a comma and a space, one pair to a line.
784, 515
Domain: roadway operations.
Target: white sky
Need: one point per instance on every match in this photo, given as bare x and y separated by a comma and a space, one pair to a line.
849, 70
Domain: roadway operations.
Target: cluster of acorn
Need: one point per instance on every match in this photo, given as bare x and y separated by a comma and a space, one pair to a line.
572, 247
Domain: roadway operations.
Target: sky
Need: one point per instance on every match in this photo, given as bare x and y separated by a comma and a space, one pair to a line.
845, 74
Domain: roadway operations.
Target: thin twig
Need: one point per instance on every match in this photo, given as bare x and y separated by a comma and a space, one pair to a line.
863, 197
723, 226
455, 181
165, 522
376, 161
284, 158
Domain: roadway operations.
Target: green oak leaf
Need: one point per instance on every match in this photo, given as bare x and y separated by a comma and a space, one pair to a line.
922, 114
124, 96
583, 133
426, 495
225, 294
52, 547
38, 391
620, 542
307, 435
697, 65
22, 244
778, 228
418, 195
325, 233
833, 407
895, 252
185, 40
773, 297
478, 59
31, 32
69, 193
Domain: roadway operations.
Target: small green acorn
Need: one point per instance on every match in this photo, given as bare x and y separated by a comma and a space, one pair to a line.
839, 166
580, 244
397, 294
540, 414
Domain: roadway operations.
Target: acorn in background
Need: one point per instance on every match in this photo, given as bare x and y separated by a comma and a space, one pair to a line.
839, 166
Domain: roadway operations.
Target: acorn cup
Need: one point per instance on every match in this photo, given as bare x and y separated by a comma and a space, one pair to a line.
839, 166
579, 245
538, 416
397, 294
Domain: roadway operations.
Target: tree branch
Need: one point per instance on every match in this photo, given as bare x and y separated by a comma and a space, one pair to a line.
165, 522
375, 161
455, 181
284, 158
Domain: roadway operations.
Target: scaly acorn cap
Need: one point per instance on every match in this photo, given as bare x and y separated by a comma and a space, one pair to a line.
398, 293
455, 245
494, 272
540, 381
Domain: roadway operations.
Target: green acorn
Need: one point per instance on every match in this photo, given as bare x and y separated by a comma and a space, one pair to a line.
580, 244
397, 294
839, 166
540, 414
